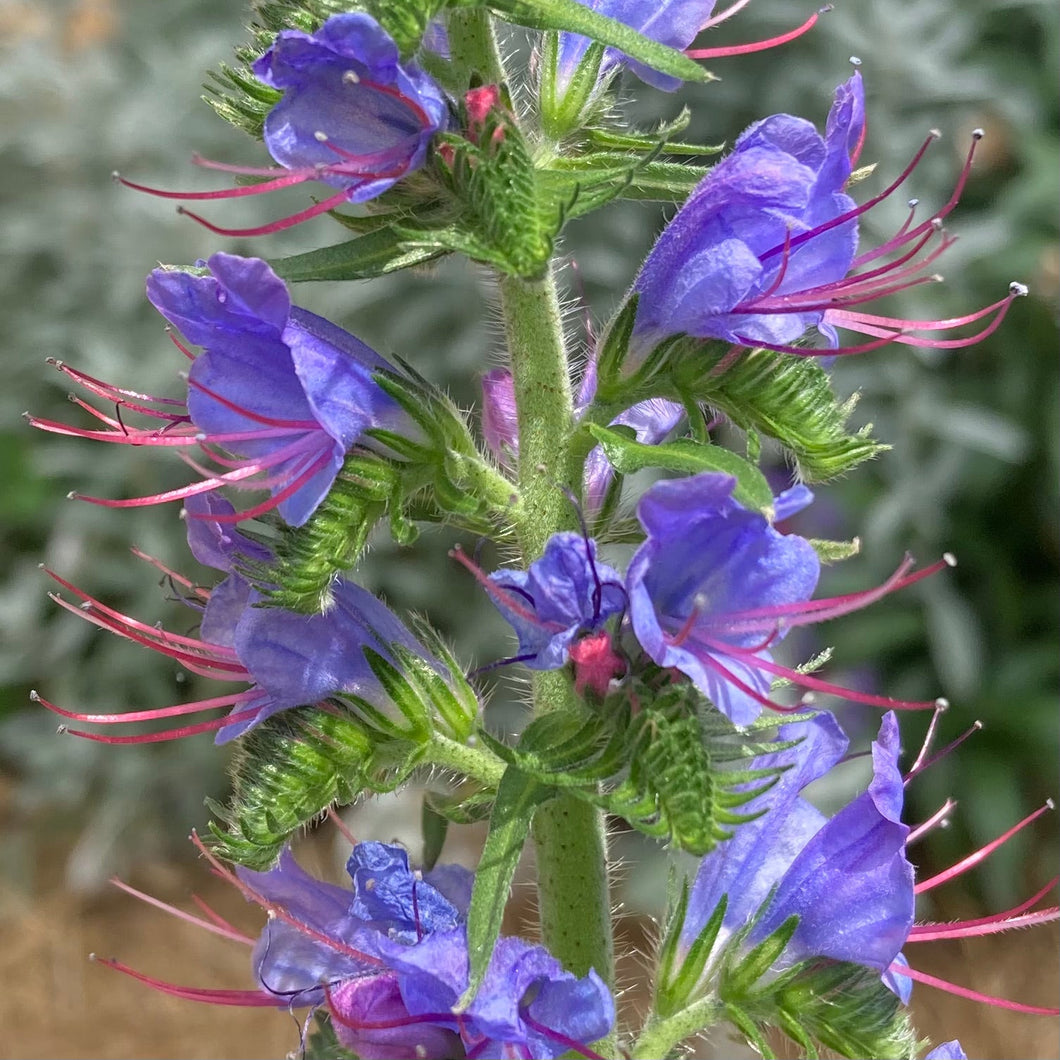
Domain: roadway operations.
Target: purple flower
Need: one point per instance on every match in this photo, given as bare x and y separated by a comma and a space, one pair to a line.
846, 878
393, 957
288, 659
675, 23
947, 1051
765, 247
714, 586
718, 256
708, 561
352, 115
276, 400
351, 112
565, 593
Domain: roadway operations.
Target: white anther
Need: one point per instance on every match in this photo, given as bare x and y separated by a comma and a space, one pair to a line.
320, 137
949, 559
854, 61
1018, 290
351, 77
942, 703
978, 134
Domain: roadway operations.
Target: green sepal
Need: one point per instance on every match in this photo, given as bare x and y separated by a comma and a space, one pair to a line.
570, 16
626, 455
567, 111
785, 396
310, 557
620, 140
593, 179
675, 769
518, 798
835, 1005
285, 772
835, 551
404, 20
322, 1043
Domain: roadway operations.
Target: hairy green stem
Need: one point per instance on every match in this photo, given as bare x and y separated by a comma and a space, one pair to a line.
661, 1037
569, 835
469, 761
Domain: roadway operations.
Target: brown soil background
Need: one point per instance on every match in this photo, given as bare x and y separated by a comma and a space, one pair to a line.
55, 1003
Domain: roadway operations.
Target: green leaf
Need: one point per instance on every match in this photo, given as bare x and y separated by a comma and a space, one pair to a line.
627, 456
375, 254
435, 827
518, 797
573, 17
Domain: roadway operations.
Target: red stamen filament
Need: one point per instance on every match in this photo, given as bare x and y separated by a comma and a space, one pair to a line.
950, 747
999, 921
215, 925
981, 854
937, 820
972, 995
755, 46
239, 998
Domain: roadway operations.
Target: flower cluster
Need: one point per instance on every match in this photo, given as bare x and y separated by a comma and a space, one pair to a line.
713, 587
389, 960
651, 644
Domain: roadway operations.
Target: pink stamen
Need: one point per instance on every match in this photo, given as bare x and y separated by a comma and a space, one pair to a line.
948, 749
176, 711
929, 737
107, 390
756, 46
747, 656
169, 734
936, 820
215, 916
276, 499
273, 226
981, 854
238, 998
973, 995
179, 345
441, 1018
224, 929
921, 930
570, 1044
857, 211
254, 417
724, 15
803, 612
962, 929
341, 825
171, 574
289, 177
743, 686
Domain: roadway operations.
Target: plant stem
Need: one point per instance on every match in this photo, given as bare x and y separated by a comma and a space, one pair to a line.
571, 841
462, 758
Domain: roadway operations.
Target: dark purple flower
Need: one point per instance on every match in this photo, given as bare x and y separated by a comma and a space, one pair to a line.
675, 23
706, 561
714, 586
761, 251
289, 659
352, 116
276, 399
392, 958
846, 878
565, 593
947, 1051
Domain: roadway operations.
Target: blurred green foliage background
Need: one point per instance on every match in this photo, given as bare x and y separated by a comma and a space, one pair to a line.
90, 86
